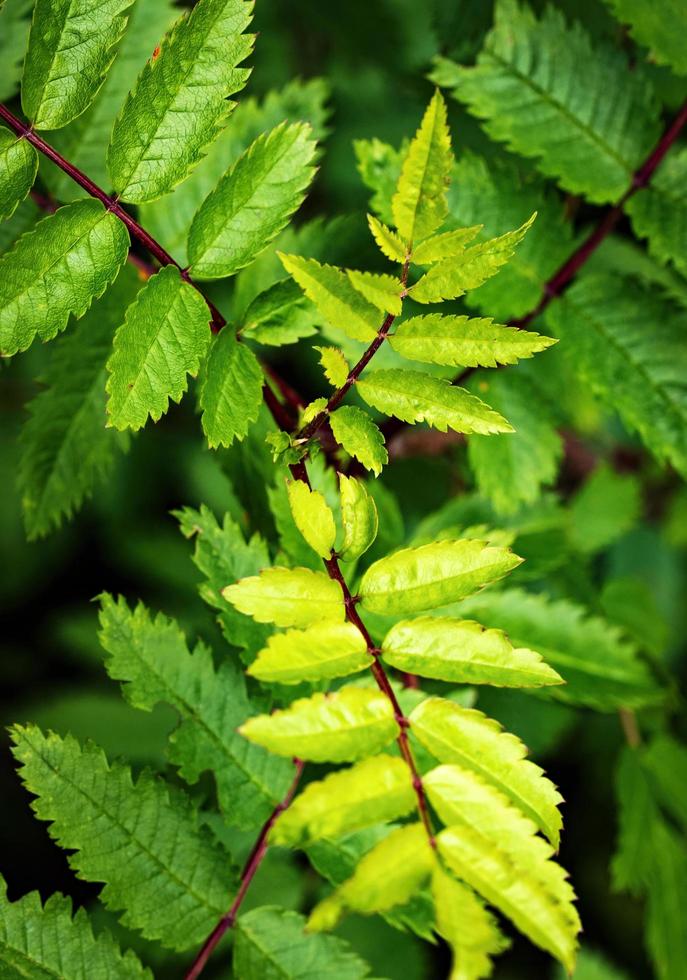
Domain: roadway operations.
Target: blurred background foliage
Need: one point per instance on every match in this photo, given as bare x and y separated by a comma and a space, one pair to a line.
611, 532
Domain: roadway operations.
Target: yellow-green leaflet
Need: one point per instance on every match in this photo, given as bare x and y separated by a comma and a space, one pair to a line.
479, 859
371, 791
443, 246
419, 205
349, 724
389, 242
323, 651
288, 597
335, 297
463, 652
359, 518
466, 925
360, 437
467, 737
453, 276
312, 517
415, 579
463, 341
388, 875
334, 364
382, 290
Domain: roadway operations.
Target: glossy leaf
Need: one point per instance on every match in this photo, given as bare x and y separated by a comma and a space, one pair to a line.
415, 579
360, 437
288, 597
466, 925
18, 166
444, 246
390, 244
323, 651
348, 724
382, 291
312, 516
230, 390
358, 516
334, 364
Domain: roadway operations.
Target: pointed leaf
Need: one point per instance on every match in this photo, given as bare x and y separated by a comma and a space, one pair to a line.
152, 660
288, 597
37, 940
463, 652
348, 724
312, 516
71, 46
637, 813
165, 335
272, 943
358, 516
279, 315
437, 574
230, 392
333, 294
467, 737
388, 241
415, 397
453, 276
659, 212
381, 290
65, 444
252, 202
180, 100
658, 28
126, 834
357, 433
335, 365
463, 341
323, 651
444, 246
466, 925
58, 269
18, 166
419, 204
370, 792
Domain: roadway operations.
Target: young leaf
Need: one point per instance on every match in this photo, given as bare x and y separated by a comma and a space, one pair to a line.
18, 165
65, 444
222, 555
230, 390
419, 204
334, 296
71, 46
180, 100
444, 246
321, 652
463, 341
312, 516
349, 724
165, 335
58, 269
548, 93
371, 791
466, 925
335, 365
252, 202
355, 431
658, 28
390, 244
388, 875
38, 940
280, 314
415, 579
601, 669
152, 660
271, 942
463, 652
358, 516
288, 597
453, 276
416, 397
126, 834
381, 290
467, 737
602, 321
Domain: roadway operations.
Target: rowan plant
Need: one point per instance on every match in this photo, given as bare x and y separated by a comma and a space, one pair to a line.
341, 715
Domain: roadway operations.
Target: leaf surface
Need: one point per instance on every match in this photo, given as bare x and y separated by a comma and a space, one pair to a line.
323, 651
358, 516
313, 517
360, 437
288, 597
230, 390
18, 165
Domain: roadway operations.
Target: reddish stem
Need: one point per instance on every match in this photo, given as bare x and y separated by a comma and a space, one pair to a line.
249, 869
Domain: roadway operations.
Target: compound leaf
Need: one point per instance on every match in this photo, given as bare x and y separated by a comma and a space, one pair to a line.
334, 364
382, 291
323, 651
659, 212
288, 597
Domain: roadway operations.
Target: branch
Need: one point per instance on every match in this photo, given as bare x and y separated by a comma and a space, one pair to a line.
249, 869
111, 203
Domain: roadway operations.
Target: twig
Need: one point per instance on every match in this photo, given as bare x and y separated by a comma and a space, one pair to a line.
249, 869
